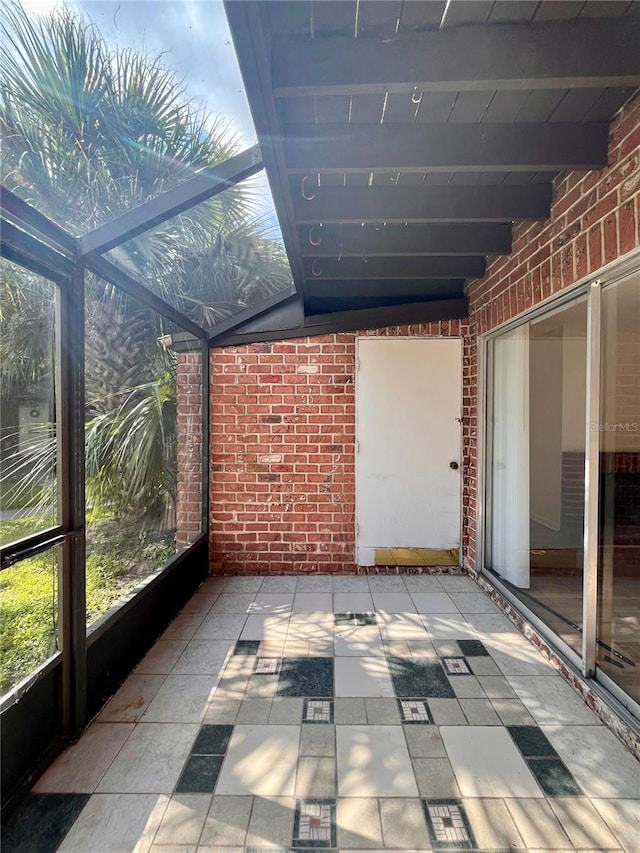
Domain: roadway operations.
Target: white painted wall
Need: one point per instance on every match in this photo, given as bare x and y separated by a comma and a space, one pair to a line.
409, 400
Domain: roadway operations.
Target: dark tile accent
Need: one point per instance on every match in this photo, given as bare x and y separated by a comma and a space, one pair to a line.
317, 711
355, 619
41, 822
531, 742
448, 825
212, 740
247, 647
415, 711
314, 824
472, 648
312, 677
200, 774
554, 778
419, 677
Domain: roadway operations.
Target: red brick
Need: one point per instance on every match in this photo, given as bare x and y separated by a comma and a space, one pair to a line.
304, 521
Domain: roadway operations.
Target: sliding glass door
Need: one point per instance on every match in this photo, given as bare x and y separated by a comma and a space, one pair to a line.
538, 426
537, 509
618, 621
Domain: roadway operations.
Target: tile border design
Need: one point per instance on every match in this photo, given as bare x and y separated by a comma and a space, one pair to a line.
315, 816
204, 763
422, 716
455, 666
321, 711
456, 816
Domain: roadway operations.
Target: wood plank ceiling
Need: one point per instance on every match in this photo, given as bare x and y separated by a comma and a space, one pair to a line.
402, 139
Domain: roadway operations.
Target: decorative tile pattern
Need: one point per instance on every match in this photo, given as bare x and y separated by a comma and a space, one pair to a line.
315, 824
544, 762
414, 711
41, 822
472, 648
456, 666
419, 677
448, 825
317, 711
355, 619
247, 647
554, 778
202, 769
532, 742
267, 666
311, 677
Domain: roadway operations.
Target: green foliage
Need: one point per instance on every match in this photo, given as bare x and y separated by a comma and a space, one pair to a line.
119, 556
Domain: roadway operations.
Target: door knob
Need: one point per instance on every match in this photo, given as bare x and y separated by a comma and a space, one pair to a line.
453, 465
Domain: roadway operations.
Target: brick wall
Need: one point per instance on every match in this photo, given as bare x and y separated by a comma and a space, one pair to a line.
594, 220
189, 448
283, 451
283, 414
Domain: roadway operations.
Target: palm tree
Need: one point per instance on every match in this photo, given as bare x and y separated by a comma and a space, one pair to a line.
88, 134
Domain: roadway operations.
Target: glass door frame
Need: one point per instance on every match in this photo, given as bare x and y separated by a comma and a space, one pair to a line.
592, 287
32, 254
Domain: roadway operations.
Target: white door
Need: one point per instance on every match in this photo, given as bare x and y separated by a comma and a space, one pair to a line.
409, 402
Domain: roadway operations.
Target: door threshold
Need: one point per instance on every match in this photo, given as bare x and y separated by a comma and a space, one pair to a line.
416, 557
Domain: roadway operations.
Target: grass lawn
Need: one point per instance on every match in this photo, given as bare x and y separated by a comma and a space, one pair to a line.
119, 556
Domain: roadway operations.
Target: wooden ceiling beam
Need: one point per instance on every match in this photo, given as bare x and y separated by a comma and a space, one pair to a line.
450, 147
336, 241
502, 203
395, 268
580, 53
435, 288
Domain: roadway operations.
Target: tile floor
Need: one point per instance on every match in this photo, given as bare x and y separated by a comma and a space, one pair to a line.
348, 713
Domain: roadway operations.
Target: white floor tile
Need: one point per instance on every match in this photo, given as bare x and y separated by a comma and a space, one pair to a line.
260, 760
358, 641
81, 767
433, 602
265, 626
313, 602
183, 627
278, 603
133, 698
360, 676
373, 761
393, 602
474, 602
243, 585
181, 699
458, 583
233, 602
422, 583
448, 627
487, 763
116, 823
203, 657
401, 627
601, 765
221, 626
183, 820
315, 583
151, 760
623, 818
352, 602
350, 584
161, 657
551, 701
